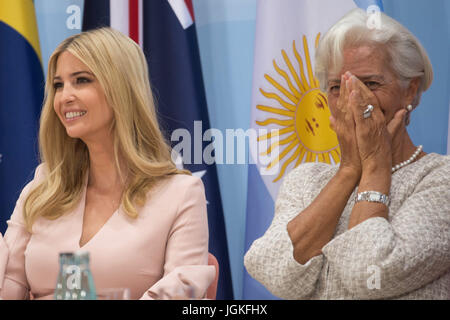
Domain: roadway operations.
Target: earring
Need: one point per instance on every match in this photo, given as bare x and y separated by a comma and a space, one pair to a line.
409, 108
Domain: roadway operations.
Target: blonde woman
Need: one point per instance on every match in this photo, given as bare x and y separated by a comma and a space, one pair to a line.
106, 183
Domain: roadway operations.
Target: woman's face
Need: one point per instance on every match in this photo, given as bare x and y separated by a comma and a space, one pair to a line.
80, 102
371, 66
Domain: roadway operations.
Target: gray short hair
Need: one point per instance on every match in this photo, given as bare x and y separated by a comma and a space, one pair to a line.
407, 56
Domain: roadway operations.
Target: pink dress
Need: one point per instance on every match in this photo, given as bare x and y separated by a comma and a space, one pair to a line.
170, 233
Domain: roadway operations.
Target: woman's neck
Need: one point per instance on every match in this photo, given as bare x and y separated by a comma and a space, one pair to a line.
103, 172
403, 150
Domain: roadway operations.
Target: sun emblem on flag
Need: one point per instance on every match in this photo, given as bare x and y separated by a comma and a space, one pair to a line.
301, 113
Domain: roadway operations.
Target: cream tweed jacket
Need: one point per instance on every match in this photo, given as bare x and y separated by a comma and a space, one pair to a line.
404, 257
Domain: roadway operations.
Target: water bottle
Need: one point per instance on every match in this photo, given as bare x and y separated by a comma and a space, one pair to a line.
75, 281
65, 259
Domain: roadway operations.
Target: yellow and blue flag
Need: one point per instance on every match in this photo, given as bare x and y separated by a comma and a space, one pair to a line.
21, 95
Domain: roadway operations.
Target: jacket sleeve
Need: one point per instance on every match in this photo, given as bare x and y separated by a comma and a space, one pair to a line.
13, 280
187, 245
270, 259
383, 259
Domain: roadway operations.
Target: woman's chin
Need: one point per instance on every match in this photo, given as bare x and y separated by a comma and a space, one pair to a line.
73, 133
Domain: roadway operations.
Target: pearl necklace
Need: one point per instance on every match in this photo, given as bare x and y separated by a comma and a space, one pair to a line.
411, 159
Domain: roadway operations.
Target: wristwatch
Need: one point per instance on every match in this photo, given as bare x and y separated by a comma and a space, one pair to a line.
373, 196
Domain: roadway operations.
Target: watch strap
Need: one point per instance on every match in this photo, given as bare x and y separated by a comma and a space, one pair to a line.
373, 196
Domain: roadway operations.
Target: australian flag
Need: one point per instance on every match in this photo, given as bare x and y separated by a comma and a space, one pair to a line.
166, 31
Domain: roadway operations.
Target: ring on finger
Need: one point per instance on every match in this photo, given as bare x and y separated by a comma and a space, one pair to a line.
368, 112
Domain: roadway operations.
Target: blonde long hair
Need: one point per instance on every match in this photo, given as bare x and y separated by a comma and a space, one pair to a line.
121, 68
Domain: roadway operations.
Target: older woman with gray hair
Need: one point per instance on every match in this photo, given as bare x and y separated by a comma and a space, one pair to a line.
376, 226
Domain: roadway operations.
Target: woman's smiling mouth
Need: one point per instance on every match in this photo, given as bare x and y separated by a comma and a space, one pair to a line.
74, 115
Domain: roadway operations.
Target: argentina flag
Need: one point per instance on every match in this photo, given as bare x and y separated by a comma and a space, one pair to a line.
289, 112
21, 96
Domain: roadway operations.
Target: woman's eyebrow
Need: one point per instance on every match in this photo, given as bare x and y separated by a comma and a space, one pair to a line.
74, 74
371, 77
334, 81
